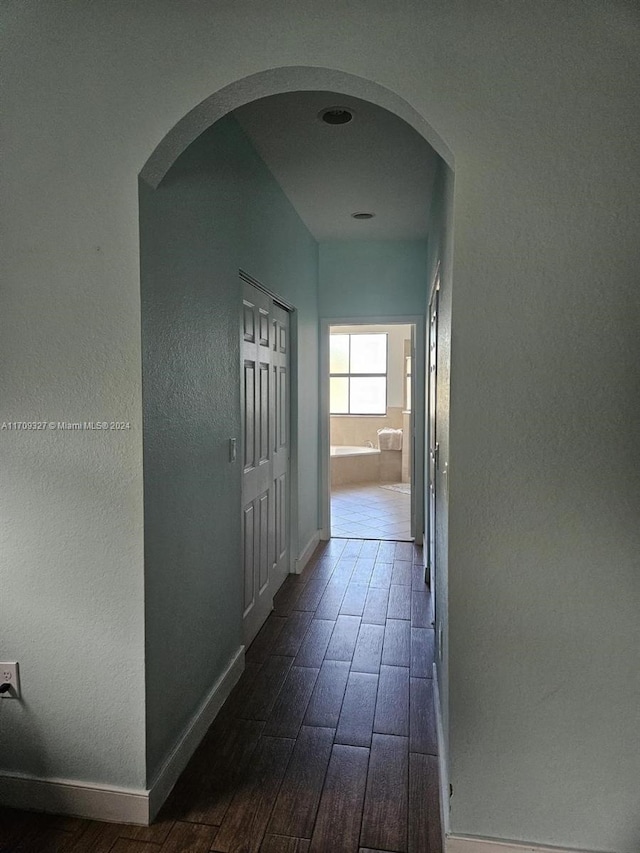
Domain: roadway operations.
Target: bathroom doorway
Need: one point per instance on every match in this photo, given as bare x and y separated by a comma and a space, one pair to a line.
371, 433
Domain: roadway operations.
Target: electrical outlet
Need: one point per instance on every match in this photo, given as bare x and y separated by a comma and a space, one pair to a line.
10, 674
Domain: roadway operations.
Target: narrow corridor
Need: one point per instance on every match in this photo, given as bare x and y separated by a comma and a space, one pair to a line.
328, 742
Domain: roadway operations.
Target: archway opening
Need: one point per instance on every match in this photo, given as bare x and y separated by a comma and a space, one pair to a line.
215, 199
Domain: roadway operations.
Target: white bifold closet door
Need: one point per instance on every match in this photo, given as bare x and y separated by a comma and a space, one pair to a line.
265, 348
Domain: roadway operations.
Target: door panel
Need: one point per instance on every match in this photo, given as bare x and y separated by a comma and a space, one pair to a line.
281, 517
281, 419
264, 412
249, 322
265, 493
264, 328
264, 535
283, 404
248, 524
249, 415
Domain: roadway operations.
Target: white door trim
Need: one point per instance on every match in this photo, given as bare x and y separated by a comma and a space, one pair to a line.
418, 396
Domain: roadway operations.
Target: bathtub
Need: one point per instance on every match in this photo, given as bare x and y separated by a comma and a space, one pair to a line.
352, 450
353, 464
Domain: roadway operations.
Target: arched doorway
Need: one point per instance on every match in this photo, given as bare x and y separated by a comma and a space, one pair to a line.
274, 82
177, 322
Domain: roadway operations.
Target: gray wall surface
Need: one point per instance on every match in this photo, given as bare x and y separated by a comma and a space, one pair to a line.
216, 211
538, 103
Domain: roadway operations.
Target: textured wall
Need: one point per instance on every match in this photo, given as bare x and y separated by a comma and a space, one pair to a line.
217, 210
376, 278
538, 103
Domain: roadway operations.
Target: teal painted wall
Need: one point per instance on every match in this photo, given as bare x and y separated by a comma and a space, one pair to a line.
217, 210
375, 278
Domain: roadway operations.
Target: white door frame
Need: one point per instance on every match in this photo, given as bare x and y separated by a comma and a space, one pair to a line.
431, 499
417, 410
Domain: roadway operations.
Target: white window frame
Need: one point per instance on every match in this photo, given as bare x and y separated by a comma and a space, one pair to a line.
352, 375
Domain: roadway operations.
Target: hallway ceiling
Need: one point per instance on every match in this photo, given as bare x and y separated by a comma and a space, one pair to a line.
374, 163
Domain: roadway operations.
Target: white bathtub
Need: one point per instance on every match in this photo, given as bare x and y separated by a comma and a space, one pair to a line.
352, 450
354, 464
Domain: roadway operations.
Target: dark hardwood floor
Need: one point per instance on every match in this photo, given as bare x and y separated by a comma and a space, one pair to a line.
326, 745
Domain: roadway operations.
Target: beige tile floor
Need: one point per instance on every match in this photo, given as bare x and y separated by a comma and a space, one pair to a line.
367, 511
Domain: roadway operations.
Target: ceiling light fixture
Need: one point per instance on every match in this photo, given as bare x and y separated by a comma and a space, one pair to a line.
335, 115
363, 215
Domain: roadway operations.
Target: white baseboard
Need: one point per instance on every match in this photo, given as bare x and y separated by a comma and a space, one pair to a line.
64, 796
443, 765
307, 552
111, 803
470, 844
186, 745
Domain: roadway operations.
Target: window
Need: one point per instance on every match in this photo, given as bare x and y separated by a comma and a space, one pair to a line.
358, 374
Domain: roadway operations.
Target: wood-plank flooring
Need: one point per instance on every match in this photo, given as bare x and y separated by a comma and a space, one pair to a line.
326, 745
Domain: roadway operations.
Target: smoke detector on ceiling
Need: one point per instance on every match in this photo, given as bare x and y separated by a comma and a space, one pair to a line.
335, 115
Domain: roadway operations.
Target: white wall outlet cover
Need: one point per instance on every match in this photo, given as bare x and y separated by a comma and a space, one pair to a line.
10, 674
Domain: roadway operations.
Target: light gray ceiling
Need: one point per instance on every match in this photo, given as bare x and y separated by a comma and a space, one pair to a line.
375, 163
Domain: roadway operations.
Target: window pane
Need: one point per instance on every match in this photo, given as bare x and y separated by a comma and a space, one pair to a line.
339, 354
368, 354
368, 395
339, 395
